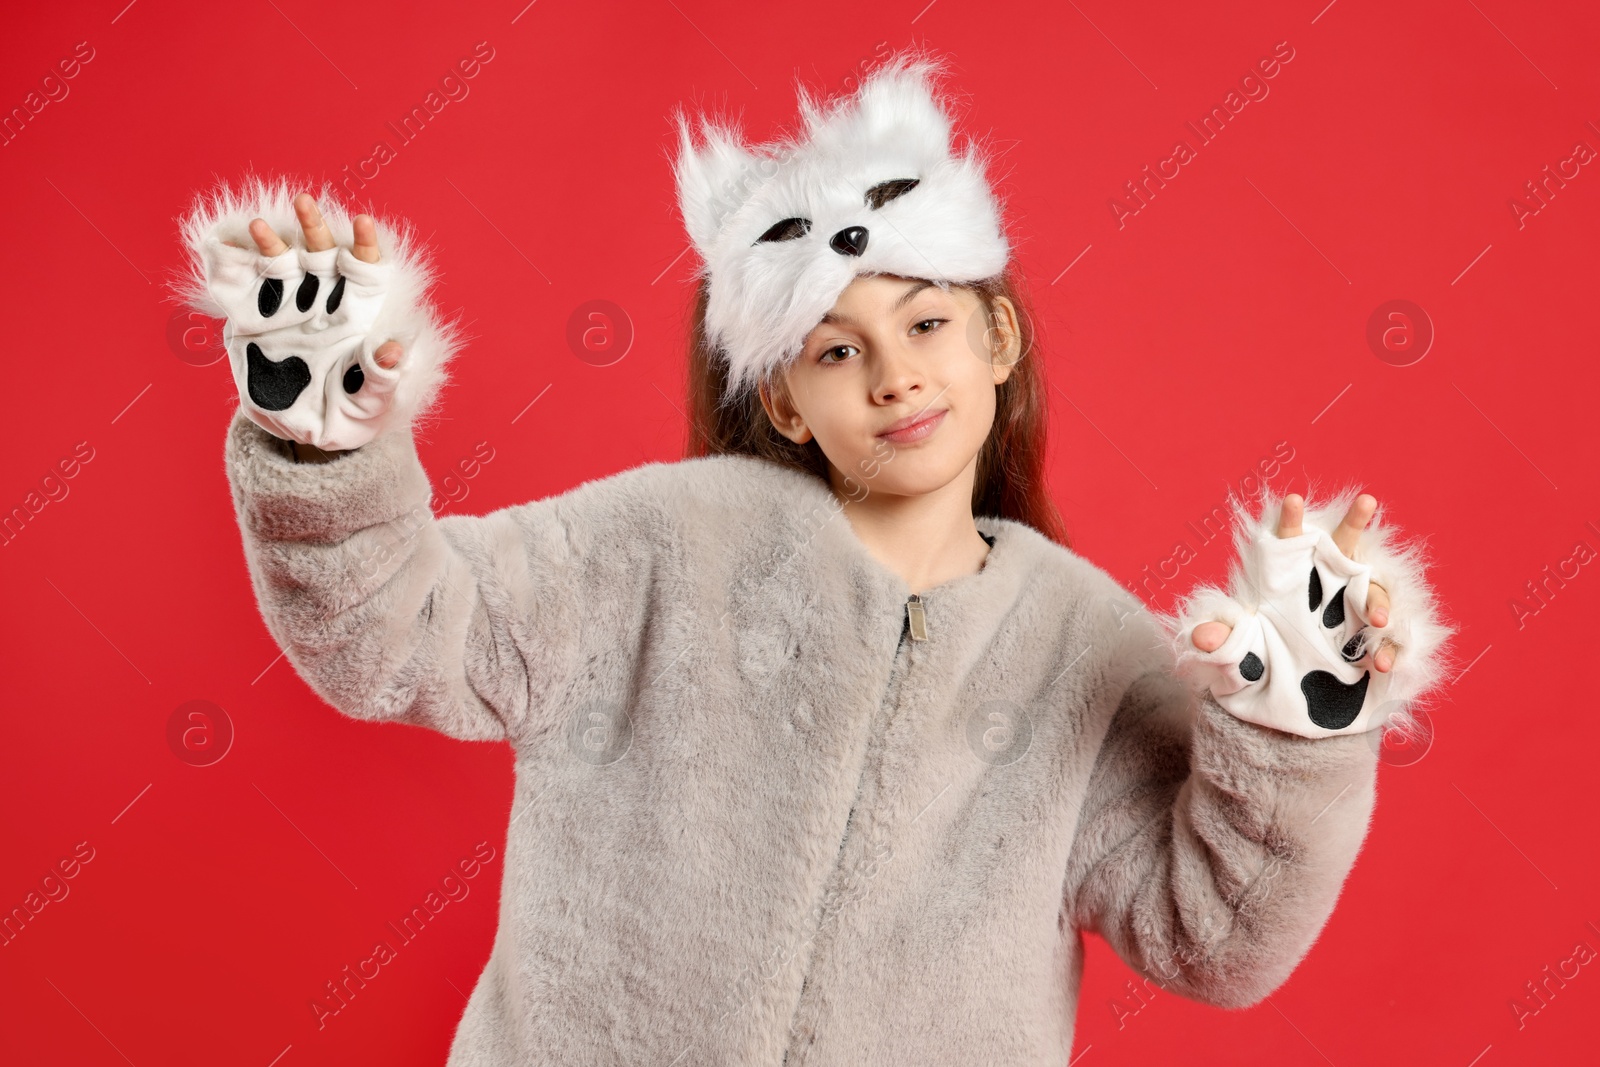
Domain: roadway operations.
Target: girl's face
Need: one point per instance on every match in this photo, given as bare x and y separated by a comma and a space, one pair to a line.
896, 350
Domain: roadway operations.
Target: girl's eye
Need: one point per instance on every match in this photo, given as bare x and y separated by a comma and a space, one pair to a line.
932, 324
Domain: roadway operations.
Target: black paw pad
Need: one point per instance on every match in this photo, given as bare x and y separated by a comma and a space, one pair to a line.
336, 296
1333, 704
354, 378
1333, 614
274, 386
270, 297
307, 292
1251, 667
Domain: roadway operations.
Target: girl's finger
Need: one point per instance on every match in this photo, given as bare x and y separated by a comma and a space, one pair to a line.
1348, 532
1209, 636
1294, 509
1377, 604
366, 245
318, 237
1384, 660
387, 354
267, 242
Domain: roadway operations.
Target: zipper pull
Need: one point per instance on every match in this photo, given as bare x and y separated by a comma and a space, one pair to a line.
919, 620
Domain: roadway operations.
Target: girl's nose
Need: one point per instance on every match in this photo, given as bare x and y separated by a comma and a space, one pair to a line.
850, 241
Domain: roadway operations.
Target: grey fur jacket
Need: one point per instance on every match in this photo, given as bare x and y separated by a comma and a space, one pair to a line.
772, 807
758, 819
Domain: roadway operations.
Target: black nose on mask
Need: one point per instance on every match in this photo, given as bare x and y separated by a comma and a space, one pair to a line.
851, 241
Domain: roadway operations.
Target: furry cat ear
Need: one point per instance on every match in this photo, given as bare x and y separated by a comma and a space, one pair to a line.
714, 180
896, 110
887, 111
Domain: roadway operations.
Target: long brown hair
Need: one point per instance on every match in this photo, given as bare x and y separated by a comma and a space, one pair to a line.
1010, 478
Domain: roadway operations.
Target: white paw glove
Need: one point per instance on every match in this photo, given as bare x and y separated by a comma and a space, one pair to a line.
302, 326
1300, 655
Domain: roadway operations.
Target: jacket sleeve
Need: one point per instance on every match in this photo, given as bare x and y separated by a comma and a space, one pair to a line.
1232, 790
1210, 850
469, 625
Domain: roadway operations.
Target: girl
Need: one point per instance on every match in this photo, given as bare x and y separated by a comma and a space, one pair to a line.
828, 746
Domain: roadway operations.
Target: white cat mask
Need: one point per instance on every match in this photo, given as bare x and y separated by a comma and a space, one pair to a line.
870, 187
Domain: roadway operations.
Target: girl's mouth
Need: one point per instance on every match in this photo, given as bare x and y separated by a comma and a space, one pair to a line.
917, 431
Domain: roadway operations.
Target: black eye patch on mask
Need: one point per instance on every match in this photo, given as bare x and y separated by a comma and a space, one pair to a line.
884, 192
786, 230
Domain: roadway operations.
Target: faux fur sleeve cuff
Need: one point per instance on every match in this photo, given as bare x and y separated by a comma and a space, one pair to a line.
1299, 657
279, 499
301, 327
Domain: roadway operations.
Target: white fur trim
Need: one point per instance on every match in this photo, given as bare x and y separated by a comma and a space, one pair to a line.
1268, 607
766, 296
379, 302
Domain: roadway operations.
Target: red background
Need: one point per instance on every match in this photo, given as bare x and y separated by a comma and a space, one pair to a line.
1228, 316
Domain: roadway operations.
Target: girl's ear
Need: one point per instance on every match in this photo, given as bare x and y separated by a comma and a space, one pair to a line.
1004, 337
781, 411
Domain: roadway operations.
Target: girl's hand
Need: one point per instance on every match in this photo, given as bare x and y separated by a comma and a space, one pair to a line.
1327, 626
1209, 636
319, 239
330, 333
305, 322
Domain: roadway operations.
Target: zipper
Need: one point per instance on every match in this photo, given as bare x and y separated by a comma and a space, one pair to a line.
916, 627
916, 618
